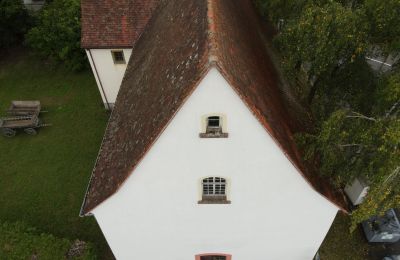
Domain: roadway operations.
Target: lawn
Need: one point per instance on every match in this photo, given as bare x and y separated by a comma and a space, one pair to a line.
43, 178
340, 244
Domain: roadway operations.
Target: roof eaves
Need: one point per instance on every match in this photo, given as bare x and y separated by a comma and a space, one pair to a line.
107, 46
86, 211
257, 113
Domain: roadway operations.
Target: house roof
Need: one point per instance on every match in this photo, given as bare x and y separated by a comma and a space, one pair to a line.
183, 40
114, 23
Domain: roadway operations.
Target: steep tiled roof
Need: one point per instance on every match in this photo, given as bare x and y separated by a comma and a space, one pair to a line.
184, 39
114, 23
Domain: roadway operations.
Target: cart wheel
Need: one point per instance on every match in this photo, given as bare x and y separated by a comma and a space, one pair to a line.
30, 131
8, 132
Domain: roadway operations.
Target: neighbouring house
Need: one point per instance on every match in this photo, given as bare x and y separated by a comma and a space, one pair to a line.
380, 63
199, 160
34, 5
109, 31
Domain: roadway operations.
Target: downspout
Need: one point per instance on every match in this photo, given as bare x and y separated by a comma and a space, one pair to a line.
98, 77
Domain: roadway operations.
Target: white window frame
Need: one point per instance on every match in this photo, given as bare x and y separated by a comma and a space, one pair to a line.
214, 190
214, 186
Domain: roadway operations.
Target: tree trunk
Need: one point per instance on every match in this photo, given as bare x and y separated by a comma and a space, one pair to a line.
312, 92
297, 66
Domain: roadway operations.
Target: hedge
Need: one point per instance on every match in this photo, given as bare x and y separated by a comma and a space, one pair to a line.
19, 241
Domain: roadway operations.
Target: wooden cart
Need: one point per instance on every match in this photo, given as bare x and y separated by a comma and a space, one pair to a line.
24, 108
22, 115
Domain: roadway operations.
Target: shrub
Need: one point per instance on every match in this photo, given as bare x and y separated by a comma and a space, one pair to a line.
57, 34
19, 241
14, 22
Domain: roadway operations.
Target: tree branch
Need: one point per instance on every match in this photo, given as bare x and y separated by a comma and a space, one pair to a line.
358, 115
348, 145
393, 108
392, 175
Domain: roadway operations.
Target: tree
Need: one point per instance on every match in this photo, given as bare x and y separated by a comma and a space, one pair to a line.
352, 86
384, 17
14, 22
357, 130
282, 9
57, 34
350, 144
352, 3
322, 40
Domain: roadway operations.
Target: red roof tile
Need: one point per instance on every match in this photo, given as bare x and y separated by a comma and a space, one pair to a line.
182, 42
114, 23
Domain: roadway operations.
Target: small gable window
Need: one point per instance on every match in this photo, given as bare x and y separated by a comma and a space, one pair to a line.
118, 57
214, 191
213, 127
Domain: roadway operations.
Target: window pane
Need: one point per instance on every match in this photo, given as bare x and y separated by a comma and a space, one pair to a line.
213, 257
118, 56
214, 186
213, 121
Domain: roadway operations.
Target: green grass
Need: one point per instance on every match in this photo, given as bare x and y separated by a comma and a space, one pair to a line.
43, 178
339, 244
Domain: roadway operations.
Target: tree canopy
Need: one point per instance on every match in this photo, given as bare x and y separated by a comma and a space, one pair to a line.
57, 34
323, 39
14, 22
356, 109
384, 19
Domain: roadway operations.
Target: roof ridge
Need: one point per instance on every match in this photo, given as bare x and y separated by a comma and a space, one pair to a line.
211, 32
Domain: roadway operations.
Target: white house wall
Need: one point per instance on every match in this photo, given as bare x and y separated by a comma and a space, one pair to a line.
274, 213
108, 75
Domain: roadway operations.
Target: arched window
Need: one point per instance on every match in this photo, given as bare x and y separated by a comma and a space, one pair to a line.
214, 191
214, 186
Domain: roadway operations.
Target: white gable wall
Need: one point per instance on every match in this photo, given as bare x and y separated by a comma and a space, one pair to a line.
274, 213
108, 75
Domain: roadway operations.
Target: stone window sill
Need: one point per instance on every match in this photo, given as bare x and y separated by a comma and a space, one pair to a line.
213, 135
214, 200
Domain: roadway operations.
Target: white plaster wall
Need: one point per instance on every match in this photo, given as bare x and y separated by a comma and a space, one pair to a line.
110, 74
274, 213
